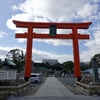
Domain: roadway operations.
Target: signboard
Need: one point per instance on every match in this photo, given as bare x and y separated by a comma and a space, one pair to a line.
52, 30
2, 75
11, 75
8, 74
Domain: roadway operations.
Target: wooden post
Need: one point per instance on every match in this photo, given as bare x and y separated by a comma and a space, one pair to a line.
28, 60
76, 53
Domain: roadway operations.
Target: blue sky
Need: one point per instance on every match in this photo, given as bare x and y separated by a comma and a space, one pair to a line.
50, 11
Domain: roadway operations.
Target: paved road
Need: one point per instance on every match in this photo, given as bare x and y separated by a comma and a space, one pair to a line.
69, 82
53, 89
33, 88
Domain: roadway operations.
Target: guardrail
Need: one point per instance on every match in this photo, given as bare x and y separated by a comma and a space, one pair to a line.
13, 90
87, 88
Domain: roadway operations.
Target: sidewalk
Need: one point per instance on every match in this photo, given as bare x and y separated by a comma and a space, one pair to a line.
52, 89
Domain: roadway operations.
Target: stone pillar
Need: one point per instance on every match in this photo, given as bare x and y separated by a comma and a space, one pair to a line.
95, 69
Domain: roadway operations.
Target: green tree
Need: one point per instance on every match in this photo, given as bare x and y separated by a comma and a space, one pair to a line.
47, 65
58, 67
69, 65
18, 58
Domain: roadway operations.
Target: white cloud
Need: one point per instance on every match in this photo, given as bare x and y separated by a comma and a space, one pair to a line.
59, 11
87, 55
34, 10
87, 10
92, 44
21, 40
95, 1
54, 10
14, 7
22, 17
56, 42
37, 55
96, 37
2, 34
4, 50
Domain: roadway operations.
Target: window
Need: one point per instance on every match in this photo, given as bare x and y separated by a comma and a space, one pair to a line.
34, 75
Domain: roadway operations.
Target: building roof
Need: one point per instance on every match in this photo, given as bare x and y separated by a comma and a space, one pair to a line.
8, 62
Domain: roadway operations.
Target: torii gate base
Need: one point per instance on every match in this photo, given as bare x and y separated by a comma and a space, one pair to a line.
31, 35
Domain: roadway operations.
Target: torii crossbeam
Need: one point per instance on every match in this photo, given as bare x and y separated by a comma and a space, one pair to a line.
31, 35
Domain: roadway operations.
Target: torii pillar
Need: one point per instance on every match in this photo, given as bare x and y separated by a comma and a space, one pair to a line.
31, 35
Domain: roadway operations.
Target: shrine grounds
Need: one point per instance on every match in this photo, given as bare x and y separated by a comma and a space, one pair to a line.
68, 82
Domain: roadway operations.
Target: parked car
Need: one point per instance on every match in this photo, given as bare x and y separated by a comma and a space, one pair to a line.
36, 77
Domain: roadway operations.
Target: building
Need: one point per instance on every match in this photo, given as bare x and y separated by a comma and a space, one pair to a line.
8, 64
50, 61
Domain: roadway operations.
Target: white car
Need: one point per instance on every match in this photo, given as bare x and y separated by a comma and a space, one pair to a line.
36, 77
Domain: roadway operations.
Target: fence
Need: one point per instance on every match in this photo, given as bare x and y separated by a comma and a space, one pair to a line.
86, 84
87, 78
12, 90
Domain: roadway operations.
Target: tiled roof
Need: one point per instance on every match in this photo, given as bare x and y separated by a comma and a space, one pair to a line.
9, 62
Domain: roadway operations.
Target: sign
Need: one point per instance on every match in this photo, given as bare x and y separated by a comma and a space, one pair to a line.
11, 75
52, 30
2, 75
8, 74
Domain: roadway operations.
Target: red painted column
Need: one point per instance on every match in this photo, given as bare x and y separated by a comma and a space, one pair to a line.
76, 53
28, 60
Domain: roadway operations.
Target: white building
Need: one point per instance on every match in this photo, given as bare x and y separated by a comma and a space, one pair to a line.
50, 61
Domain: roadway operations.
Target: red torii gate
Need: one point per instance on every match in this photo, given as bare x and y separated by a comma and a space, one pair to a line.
31, 35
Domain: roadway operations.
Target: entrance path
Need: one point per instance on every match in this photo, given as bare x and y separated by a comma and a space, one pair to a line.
52, 89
